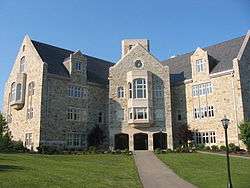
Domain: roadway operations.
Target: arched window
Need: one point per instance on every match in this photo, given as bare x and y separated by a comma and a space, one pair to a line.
13, 92
31, 89
139, 88
130, 90
22, 64
18, 91
120, 92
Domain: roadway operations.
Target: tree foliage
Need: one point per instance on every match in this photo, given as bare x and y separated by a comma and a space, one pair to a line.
245, 133
96, 137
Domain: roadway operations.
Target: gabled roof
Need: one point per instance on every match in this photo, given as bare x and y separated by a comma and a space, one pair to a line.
97, 69
223, 53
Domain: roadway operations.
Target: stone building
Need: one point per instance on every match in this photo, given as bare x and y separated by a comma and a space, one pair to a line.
55, 96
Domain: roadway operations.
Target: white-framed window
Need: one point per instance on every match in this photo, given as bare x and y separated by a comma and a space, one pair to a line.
140, 113
139, 88
22, 64
13, 92
159, 114
130, 90
74, 139
28, 139
120, 92
77, 91
203, 112
200, 65
78, 66
76, 114
205, 137
202, 89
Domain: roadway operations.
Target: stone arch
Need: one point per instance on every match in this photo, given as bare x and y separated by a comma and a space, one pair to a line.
121, 141
160, 140
140, 141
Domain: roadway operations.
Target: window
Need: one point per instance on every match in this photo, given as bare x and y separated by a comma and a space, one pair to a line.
76, 114
78, 66
158, 91
140, 113
31, 89
13, 92
205, 137
159, 114
139, 90
130, 47
120, 115
22, 64
130, 113
179, 115
199, 65
28, 139
100, 117
30, 113
23, 48
202, 89
120, 92
203, 112
77, 92
74, 140
130, 90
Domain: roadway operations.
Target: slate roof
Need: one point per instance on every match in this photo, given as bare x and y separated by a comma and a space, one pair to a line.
223, 53
97, 69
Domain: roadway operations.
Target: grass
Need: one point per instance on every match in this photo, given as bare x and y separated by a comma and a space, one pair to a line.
208, 171
33, 170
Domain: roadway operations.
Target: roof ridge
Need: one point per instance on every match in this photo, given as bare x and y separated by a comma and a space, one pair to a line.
52, 46
217, 44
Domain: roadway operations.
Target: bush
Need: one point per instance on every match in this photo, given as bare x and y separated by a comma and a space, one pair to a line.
245, 134
200, 146
207, 148
184, 149
232, 147
158, 151
43, 149
223, 148
214, 148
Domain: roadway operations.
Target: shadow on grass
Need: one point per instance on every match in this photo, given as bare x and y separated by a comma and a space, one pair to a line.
4, 168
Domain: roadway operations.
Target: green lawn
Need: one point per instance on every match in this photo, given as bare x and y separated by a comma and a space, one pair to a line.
206, 170
33, 170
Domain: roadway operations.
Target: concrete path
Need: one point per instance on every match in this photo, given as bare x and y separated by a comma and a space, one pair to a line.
223, 154
155, 174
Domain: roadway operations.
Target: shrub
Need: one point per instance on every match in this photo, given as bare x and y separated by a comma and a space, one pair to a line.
214, 148
223, 148
158, 151
43, 149
231, 147
200, 146
207, 148
245, 134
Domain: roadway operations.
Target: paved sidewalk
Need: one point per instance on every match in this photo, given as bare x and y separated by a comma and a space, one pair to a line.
223, 154
155, 174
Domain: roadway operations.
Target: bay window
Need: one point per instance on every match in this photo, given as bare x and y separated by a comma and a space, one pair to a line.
139, 88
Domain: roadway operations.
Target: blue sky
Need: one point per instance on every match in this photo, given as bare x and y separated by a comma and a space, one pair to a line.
97, 27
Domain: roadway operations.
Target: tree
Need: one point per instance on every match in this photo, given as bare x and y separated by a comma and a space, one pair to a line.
245, 134
96, 137
5, 136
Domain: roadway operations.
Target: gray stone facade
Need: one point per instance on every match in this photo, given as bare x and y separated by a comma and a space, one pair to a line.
55, 96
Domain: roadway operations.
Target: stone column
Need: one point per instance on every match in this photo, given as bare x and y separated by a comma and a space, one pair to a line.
131, 142
150, 142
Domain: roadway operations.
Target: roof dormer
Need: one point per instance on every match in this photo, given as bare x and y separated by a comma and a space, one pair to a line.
200, 65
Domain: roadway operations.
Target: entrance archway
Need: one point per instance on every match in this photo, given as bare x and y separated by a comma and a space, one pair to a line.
121, 141
140, 141
160, 140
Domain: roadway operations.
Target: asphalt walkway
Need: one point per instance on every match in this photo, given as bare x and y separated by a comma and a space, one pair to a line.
155, 174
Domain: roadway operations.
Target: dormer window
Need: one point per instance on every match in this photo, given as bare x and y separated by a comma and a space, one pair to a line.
22, 64
78, 66
200, 65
